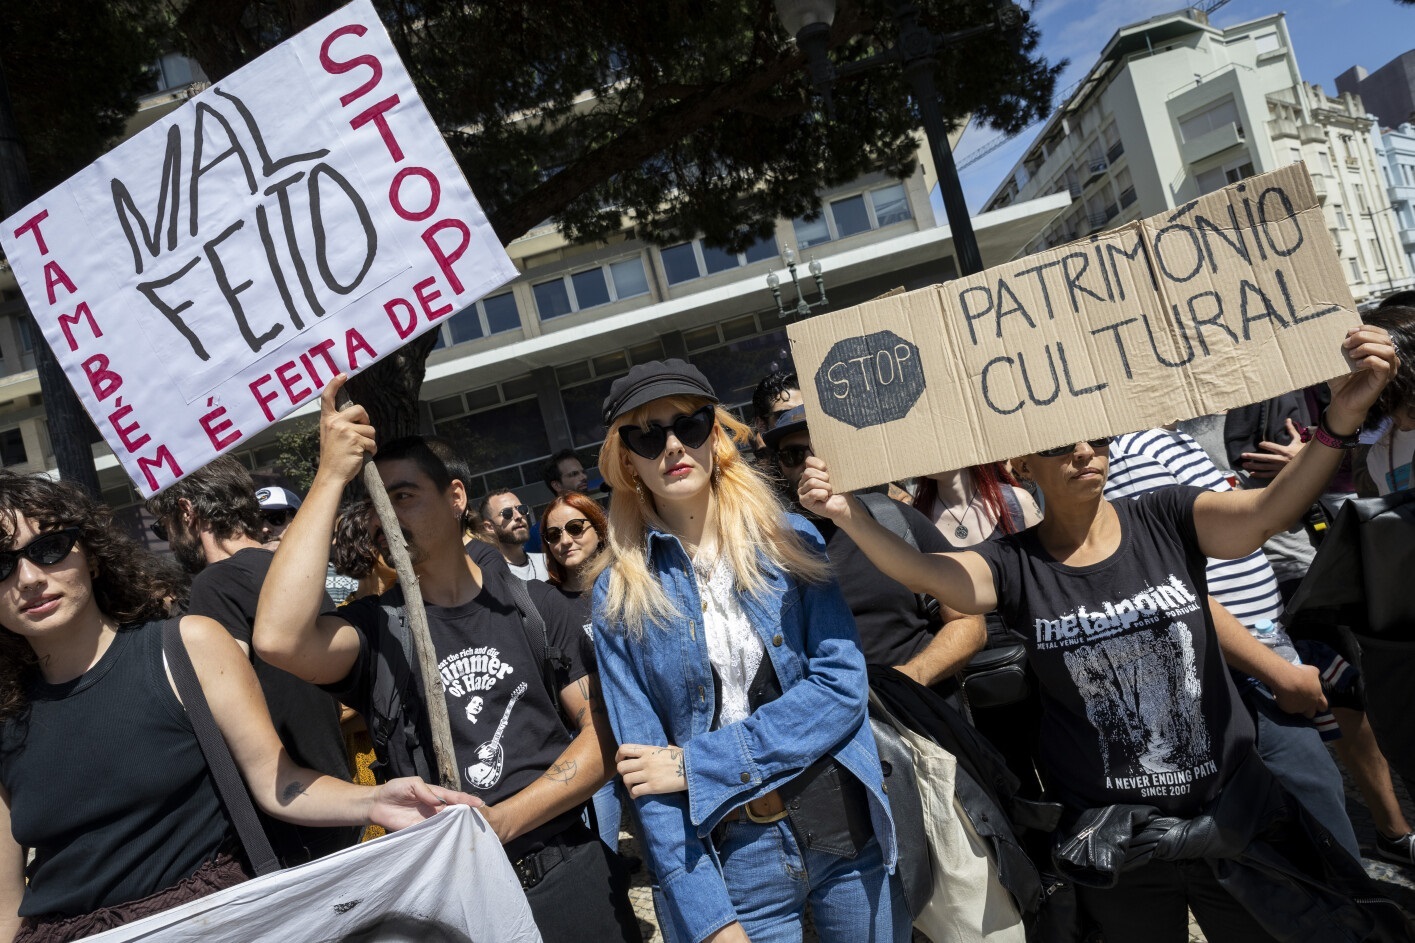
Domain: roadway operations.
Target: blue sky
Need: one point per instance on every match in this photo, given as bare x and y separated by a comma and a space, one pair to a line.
1330, 36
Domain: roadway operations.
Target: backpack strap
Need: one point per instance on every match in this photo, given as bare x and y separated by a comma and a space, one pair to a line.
394, 733
885, 510
553, 662
229, 785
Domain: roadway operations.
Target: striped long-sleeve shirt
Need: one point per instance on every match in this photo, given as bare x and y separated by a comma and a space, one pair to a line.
1159, 458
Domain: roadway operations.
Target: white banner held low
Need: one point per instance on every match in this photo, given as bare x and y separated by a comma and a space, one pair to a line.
299, 219
444, 880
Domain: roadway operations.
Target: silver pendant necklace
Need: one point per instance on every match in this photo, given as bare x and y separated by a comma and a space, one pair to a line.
961, 531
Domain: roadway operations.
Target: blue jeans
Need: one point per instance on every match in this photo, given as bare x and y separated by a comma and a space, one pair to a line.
771, 879
606, 813
1293, 752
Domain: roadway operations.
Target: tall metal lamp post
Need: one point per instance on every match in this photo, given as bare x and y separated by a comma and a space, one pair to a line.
916, 51
803, 307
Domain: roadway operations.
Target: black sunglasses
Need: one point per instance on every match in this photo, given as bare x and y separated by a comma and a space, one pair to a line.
1096, 444
159, 530
44, 550
279, 518
793, 455
523, 509
574, 528
692, 430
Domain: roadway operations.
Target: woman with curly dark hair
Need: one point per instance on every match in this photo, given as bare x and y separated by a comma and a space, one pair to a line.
101, 771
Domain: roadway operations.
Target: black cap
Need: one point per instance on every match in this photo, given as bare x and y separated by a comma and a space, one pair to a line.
650, 381
792, 420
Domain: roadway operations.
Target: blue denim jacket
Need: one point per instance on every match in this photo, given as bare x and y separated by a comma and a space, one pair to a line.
659, 690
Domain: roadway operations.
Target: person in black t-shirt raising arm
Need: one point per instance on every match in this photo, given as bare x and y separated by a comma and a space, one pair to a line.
512, 656
1139, 708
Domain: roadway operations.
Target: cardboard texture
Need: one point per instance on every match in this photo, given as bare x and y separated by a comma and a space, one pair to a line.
1225, 301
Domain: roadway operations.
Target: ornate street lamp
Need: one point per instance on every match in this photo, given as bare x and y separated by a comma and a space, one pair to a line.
808, 21
803, 307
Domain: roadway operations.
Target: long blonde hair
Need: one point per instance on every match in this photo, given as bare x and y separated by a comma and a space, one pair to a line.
759, 538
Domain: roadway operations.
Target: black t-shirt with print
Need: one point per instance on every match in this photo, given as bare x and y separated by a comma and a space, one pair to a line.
892, 629
1138, 706
506, 729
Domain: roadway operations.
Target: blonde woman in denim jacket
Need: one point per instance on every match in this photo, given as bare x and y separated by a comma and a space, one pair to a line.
734, 680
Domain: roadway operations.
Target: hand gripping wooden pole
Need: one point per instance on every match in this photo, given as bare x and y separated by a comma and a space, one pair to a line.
433, 697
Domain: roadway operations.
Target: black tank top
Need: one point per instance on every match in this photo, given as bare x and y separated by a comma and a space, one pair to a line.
108, 785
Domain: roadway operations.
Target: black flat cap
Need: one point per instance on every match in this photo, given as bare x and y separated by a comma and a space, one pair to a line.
650, 381
793, 420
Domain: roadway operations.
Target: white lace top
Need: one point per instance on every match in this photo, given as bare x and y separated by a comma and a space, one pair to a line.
734, 648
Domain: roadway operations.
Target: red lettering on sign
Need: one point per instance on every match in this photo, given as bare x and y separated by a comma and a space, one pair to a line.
288, 379
322, 349
262, 399
427, 295
395, 190
163, 456
54, 275
66, 321
31, 225
116, 417
105, 382
403, 329
377, 113
339, 66
214, 424
444, 258
353, 343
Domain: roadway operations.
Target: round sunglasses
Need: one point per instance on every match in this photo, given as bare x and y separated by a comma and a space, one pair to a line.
574, 528
44, 550
793, 455
692, 430
1096, 444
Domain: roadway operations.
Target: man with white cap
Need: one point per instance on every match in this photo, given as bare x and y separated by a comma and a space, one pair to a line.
278, 506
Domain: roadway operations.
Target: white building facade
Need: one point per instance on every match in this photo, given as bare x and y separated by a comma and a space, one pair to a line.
1175, 108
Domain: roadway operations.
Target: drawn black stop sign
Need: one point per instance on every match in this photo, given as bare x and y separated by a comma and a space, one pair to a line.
870, 380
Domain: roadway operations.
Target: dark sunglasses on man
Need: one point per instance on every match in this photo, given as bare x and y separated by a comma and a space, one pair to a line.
279, 518
791, 456
159, 530
1095, 444
522, 509
649, 442
574, 528
44, 550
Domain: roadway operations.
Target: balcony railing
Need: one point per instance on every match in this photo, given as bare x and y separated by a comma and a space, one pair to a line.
1096, 168
1115, 151
1127, 196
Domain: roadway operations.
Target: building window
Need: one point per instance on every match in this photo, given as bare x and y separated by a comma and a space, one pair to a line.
689, 260
1376, 258
1326, 162
27, 337
1218, 177
1209, 118
851, 215
1266, 43
12, 448
489, 316
590, 288
1340, 217
1360, 198
1355, 270
1296, 154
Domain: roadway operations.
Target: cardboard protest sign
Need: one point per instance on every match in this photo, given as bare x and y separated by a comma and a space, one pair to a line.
444, 880
1225, 301
299, 219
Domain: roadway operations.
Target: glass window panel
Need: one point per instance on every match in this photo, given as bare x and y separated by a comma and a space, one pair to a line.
850, 214
717, 260
466, 325
582, 411
507, 435
591, 289
891, 205
446, 408
735, 369
628, 278
761, 250
810, 233
679, 263
552, 299
519, 387
502, 313
617, 361
486, 396
701, 337
572, 373
12, 447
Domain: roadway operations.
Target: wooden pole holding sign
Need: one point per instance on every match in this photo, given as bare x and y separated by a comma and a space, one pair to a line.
436, 702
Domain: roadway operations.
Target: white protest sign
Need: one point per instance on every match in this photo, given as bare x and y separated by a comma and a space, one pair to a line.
444, 880
1225, 301
299, 219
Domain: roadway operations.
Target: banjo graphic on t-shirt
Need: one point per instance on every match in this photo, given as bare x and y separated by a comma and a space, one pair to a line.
486, 771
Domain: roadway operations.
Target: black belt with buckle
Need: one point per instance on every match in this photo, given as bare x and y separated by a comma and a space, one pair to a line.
532, 867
